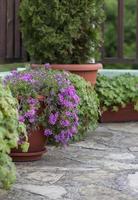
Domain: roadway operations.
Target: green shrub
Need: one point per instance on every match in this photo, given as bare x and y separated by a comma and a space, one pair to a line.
62, 31
9, 135
117, 91
88, 107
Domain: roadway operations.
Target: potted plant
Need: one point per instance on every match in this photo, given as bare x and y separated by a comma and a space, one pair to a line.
9, 136
66, 34
118, 98
47, 105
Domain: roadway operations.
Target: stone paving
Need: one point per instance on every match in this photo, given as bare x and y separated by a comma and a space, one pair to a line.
102, 167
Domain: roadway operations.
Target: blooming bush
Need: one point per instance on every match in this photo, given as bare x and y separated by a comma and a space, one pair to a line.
9, 135
47, 100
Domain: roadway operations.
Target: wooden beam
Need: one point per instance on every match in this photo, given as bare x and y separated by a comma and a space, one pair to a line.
119, 61
3, 22
17, 35
10, 28
137, 31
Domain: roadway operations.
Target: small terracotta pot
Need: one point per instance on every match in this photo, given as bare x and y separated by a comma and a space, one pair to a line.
126, 114
87, 71
37, 148
36, 139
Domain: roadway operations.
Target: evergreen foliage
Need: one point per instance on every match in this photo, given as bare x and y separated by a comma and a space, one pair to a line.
67, 31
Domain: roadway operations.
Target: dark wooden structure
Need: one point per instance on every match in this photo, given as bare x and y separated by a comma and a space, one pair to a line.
120, 58
11, 47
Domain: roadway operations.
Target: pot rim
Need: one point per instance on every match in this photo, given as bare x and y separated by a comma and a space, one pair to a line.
73, 67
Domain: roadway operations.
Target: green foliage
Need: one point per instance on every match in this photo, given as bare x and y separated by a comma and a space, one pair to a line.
62, 31
9, 135
88, 107
117, 91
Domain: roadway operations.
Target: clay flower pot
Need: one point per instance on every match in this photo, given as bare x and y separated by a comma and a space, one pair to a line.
87, 71
37, 141
126, 114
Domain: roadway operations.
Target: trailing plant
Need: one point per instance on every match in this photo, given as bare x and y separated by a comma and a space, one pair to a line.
88, 109
9, 135
117, 91
46, 100
62, 31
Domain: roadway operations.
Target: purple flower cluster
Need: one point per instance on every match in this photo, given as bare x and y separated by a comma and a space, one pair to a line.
47, 66
48, 132
17, 76
53, 118
29, 114
27, 78
63, 117
57, 113
68, 97
32, 101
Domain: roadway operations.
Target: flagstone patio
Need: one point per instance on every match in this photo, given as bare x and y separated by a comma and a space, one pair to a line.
103, 166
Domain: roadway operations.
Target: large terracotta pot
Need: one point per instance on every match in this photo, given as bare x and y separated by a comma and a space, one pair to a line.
37, 148
87, 71
126, 114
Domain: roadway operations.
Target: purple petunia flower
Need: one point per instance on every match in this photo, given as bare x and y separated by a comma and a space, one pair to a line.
48, 132
14, 73
68, 113
21, 119
65, 122
53, 118
31, 115
74, 129
47, 66
32, 101
61, 137
27, 77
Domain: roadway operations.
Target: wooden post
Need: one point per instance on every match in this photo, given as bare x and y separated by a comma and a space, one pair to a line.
137, 32
17, 35
10, 29
120, 32
3, 22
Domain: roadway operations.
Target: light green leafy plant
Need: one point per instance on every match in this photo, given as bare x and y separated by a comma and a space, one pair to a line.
117, 91
88, 107
9, 135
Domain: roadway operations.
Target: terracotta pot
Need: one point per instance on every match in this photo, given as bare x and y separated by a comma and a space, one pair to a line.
87, 71
37, 148
126, 114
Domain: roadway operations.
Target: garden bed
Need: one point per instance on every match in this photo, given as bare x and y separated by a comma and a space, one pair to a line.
118, 97
126, 114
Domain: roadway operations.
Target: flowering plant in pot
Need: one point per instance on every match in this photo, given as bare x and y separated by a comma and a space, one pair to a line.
88, 107
118, 98
47, 105
9, 136
65, 33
